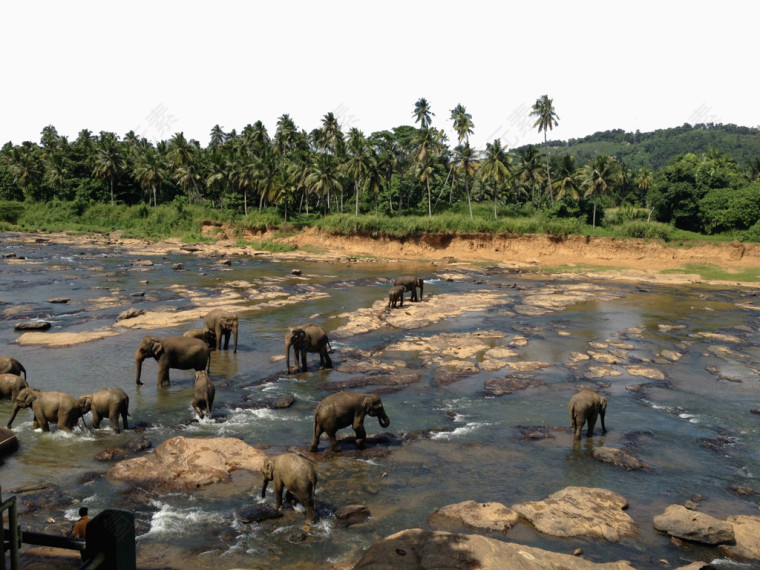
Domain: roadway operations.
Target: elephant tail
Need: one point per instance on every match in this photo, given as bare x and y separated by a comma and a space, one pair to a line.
330, 349
21, 366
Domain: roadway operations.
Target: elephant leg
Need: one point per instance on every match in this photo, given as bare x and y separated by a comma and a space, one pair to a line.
304, 368
361, 435
113, 417
95, 419
578, 421
163, 376
124, 419
591, 424
308, 504
277, 494
334, 445
226, 336
324, 358
315, 440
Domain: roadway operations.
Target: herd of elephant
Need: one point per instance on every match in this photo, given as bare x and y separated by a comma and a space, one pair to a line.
192, 351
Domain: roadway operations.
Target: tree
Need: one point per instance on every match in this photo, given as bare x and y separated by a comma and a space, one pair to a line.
567, 179
109, 159
322, 176
529, 169
599, 177
463, 126
150, 171
422, 113
331, 136
359, 156
466, 162
217, 138
182, 162
496, 169
546, 119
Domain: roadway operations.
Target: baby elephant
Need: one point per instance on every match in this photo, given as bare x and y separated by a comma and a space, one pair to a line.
106, 403
297, 475
584, 407
396, 295
11, 385
48, 407
204, 394
346, 409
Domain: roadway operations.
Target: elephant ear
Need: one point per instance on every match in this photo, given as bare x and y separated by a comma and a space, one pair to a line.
157, 348
367, 403
268, 470
84, 403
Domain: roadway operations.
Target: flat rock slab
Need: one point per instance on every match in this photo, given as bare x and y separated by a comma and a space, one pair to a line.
32, 326
351, 515
416, 548
619, 458
257, 513
684, 523
188, 463
580, 511
482, 516
747, 536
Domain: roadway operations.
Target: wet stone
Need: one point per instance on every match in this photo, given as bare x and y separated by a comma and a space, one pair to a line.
32, 326
58, 300
351, 515
503, 386
619, 458
257, 513
130, 313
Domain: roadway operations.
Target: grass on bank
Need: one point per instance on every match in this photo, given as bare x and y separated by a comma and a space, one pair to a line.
709, 272
179, 219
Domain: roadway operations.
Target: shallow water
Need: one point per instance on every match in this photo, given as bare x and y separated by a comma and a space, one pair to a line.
694, 428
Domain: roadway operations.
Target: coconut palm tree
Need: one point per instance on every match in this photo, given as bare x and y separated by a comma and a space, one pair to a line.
529, 169
466, 162
322, 177
546, 119
644, 180
150, 171
496, 169
358, 160
463, 124
599, 177
331, 137
182, 159
422, 113
567, 179
109, 159
217, 138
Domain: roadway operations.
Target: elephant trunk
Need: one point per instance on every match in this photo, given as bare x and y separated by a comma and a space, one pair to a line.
264, 488
287, 354
16, 408
383, 420
235, 331
139, 357
421, 282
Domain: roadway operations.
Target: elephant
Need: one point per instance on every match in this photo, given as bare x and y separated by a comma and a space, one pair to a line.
410, 284
11, 385
53, 407
307, 338
584, 407
345, 409
396, 295
222, 323
204, 393
206, 336
182, 352
10, 365
297, 475
106, 403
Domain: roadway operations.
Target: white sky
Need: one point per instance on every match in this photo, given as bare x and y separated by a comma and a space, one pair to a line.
165, 66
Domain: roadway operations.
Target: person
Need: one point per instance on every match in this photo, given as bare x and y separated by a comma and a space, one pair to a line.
80, 528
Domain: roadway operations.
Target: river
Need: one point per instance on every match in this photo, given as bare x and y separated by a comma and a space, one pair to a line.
454, 440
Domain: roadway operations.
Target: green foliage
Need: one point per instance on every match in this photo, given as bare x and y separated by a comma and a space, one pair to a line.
644, 230
712, 273
11, 211
724, 209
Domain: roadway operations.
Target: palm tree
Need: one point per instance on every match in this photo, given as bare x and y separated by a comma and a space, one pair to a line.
322, 177
467, 162
463, 124
331, 136
529, 169
599, 177
546, 119
109, 159
358, 164
644, 180
217, 138
182, 157
218, 176
567, 179
422, 113
496, 169
150, 171
285, 135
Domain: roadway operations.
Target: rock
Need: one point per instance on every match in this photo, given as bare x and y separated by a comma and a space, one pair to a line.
257, 513
580, 511
683, 523
130, 313
482, 516
192, 248
351, 515
502, 386
651, 373
58, 300
225, 262
184, 464
177, 266
619, 458
32, 326
279, 402
143, 263
747, 536
8, 442
295, 272
417, 548
137, 294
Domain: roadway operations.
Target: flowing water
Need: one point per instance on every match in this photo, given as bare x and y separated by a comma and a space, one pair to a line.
455, 441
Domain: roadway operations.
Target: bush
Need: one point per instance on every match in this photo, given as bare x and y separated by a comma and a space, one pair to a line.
10, 212
645, 230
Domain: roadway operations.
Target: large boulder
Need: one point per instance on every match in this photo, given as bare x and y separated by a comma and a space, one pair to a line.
684, 523
416, 548
580, 511
184, 464
481, 516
